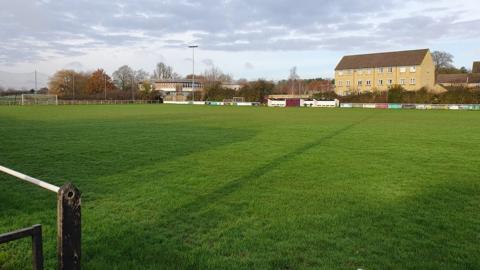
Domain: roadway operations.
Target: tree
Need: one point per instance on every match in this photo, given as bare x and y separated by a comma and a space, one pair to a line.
257, 91
98, 82
215, 92
442, 60
163, 72
124, 77
68, 83
292, 81
141, 75
214, 75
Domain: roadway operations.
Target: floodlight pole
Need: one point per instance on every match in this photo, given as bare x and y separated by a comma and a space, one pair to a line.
193, 70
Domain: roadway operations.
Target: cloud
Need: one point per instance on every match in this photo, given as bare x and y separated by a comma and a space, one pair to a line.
208, 62
49, 29
249, 65
74, 65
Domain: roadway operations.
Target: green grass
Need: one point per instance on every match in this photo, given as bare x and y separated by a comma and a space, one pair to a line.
183, 187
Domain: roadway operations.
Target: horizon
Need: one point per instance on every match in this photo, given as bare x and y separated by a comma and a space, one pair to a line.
247, 39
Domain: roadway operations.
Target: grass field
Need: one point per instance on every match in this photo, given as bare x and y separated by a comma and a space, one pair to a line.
182, 187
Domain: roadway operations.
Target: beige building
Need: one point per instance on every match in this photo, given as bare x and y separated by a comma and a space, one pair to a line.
378, 71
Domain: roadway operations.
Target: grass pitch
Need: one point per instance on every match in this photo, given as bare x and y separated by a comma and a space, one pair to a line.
187, 187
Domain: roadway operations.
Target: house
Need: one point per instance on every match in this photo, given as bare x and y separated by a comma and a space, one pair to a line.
177, 90
461, 79
232, 86
412, 70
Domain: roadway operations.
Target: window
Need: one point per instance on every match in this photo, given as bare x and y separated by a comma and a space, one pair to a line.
402, 81
403, 69
389, 69
339, 83
412, 81
369, 82
380, 82
413, 69
347, 83
380, 70
390, 82
359, 82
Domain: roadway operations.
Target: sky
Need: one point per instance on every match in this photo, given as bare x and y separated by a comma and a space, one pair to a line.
246, 38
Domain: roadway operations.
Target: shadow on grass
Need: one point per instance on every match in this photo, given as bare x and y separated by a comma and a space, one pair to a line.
170, 241
68, 154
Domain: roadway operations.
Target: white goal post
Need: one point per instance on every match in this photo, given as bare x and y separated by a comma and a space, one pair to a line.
238, 99
36, 99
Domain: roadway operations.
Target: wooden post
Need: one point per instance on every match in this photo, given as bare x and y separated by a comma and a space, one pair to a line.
37, 247
69, 228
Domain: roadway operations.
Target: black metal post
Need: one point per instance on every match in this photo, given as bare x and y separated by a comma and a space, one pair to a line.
69, 228
37, 247
37, 251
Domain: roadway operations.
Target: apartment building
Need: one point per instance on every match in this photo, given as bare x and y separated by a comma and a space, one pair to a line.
412, 70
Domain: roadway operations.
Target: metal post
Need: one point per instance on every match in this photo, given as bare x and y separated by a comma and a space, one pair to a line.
35, 232
37, 248
105, 87
69, 228
193, 70
73, 82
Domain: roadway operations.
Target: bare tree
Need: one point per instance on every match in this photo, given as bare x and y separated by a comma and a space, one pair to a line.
215, 74
141, 75
123, 77
442, 60
292, 79
163, 72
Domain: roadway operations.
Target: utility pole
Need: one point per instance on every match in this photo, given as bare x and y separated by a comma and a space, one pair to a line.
133, 94
105, 86
193, 70
35, 81
73, 82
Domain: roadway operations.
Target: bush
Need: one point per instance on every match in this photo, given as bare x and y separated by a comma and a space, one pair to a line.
397, 94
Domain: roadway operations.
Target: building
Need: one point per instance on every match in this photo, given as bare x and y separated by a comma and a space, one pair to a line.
470, 80
232, 86
378, 71
461, 79
476, 67
299, 101
176, 90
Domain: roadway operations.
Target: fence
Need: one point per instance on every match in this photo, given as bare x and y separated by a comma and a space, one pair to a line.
35, 232
15, 102
412, 106
68, 224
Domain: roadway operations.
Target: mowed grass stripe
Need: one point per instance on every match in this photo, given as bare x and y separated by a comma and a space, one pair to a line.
169, 187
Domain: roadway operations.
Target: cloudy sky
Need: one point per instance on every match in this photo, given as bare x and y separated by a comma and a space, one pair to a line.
247, 38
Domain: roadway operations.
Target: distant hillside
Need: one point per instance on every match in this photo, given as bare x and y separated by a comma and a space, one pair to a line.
20, 81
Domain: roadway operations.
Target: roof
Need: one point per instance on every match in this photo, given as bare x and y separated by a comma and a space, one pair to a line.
458, 78
384, 59
452, 78
476, 67
288, 96
176, 81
